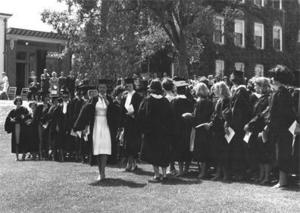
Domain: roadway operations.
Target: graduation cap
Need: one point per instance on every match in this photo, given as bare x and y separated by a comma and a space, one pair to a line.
129, 81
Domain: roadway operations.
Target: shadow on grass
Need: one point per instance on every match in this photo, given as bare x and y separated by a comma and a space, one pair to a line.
179, 181
142, 172
116, 182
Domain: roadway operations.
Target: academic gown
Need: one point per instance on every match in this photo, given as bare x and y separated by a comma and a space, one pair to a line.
55, 126
32, 133
155, 119
220, 147
87, 118
132, 135
281, 117
202, 145
260, 152
241, 112
181, 144
44, 119
20, 115
68, 141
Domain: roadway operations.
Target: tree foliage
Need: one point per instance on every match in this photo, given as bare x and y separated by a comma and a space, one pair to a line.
112, 37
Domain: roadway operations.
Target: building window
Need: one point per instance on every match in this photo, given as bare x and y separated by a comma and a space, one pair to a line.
259, 3
299, 33
259, 36
219, 30
220, 65
239, 32
239, 66
259, 70
277, 4
277, 38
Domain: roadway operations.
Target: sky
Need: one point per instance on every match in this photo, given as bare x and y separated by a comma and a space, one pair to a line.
27, 13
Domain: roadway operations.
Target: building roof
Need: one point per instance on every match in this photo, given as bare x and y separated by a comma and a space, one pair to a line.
33, 33
35, 36
5, 14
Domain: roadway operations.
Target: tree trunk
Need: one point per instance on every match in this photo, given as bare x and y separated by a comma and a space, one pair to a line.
182, 70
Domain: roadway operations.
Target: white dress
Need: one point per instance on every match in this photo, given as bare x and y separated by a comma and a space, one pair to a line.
101, 134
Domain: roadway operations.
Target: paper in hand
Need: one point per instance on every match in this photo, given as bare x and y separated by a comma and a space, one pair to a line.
247, 137
229, 136
129, 109
45, 125
72, 133
293, 128
201, 125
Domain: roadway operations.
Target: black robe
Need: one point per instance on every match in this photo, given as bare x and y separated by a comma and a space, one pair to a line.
155, 119
66, 123
241, 112
281, 117
20, 115
87, 118
132, 135
220, 147
259, 152
32, 132
202, 145
42, 114
181, 144
55, 117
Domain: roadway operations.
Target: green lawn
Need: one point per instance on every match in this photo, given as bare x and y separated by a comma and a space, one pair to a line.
42, 186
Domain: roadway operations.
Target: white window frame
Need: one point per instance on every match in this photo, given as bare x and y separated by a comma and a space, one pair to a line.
262, 3
280, 4
222, 29
222, 66
280, 35
259, 70
240, 66
240, 21
263, 35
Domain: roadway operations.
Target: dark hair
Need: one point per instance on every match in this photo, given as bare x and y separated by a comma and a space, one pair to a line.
282, 74
18, 99
168, 84
181, 90
155, 87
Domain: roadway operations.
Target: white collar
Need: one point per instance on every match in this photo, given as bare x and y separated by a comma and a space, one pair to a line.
240, 86
156, 96
131, 93
181, 96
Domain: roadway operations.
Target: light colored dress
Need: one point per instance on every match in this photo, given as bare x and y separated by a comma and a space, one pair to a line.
101, 133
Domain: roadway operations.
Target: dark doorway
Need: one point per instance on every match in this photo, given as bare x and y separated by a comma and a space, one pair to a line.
20, 77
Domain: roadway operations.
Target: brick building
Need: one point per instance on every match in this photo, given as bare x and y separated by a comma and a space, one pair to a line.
266, 34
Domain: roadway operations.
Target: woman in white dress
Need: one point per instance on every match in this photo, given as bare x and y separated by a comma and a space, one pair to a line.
97, 117
101, 133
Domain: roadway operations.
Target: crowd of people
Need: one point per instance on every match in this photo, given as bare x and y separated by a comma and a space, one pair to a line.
235, 130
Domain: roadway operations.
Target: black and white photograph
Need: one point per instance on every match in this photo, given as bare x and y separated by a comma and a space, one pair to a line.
149, 106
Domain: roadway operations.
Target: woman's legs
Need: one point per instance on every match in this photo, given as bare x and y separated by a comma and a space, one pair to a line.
102, 159
164, 172
267, 169
202, 170
156, 171
17, 138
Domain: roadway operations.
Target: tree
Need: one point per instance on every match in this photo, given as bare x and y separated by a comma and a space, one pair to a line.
113, 37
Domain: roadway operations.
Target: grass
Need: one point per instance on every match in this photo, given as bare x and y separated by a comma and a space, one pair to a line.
42, 186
